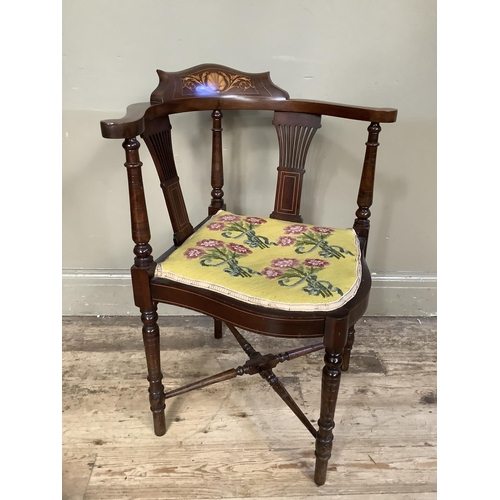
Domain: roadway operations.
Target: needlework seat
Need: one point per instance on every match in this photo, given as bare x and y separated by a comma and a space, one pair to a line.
269, 273
270, 263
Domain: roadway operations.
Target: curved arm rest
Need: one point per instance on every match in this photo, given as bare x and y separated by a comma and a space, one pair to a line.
132, 124
362, 113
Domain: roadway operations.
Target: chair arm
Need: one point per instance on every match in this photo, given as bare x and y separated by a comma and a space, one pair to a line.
132, 124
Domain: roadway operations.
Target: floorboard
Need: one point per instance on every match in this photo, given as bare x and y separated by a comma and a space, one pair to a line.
237, 440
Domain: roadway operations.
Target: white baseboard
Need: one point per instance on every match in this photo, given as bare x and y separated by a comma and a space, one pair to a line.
108, 292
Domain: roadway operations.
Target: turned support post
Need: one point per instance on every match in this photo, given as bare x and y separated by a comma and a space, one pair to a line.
217, 177
335, 338
217, 328
138, 211
151, 338
140, 272
346, 356
365, 193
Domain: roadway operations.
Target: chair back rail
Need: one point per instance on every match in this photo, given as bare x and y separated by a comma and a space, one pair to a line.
134, 121
207, 80
216, 88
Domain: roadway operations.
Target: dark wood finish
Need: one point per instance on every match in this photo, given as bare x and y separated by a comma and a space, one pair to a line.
257, 319
217, 88
335, 339
140, 282
270, 377
217, 177
158, 139
346, 356
138, 210
133, 123
151, 338
217, 328
258, 363
295, 133
214, 379
278, 387
365, 194
207, 80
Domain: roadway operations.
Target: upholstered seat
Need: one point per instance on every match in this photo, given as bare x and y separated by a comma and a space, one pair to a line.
268, 262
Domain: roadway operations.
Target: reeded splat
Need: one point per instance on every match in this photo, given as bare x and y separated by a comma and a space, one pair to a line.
214, 80
159, 141
295, 133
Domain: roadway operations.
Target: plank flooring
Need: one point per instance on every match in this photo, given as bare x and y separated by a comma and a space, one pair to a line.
237, 439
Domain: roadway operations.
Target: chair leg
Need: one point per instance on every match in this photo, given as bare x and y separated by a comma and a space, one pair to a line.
217, 328
335, 339
151, 337
346, 355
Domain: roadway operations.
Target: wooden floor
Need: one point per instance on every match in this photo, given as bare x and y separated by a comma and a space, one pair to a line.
237, 439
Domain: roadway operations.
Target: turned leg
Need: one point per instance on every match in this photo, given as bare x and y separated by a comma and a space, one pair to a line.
143, 263
346, 355
217, 328
151, 337
335, 338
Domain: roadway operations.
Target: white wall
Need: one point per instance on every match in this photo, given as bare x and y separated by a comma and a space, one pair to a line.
366, 52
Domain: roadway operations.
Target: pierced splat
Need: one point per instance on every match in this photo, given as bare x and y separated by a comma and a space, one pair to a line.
295, 133
158, 139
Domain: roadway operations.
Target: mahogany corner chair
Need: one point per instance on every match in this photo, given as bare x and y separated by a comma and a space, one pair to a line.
275, 276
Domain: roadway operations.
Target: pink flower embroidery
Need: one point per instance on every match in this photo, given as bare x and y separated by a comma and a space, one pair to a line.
271, 273
194, 253
285, 241
324, 230
210, 243
295, 229
229, 217
316, 263
239, 249
255, 220
216, 226
284, 263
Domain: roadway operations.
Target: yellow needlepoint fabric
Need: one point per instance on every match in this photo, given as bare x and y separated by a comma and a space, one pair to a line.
271, 263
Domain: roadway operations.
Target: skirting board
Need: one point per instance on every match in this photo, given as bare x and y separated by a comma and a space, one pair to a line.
108, 292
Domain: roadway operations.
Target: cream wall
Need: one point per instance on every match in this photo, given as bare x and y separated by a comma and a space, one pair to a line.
366, 52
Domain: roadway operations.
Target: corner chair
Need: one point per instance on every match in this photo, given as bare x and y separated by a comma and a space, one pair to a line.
275, 275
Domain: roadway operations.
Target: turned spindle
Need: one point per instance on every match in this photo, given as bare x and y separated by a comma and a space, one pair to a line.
334, 339
138, 211
346, 356
365, 193
217, 177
